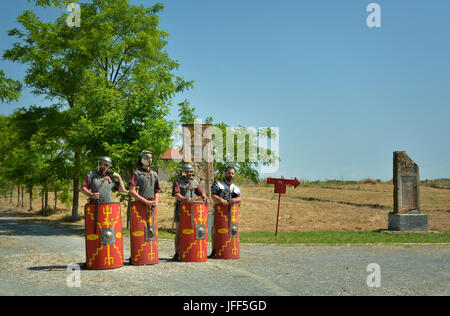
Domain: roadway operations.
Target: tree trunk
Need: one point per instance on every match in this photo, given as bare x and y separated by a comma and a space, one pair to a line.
46, 199
18, 195
76, 186
56, 199
22, 197
31, 198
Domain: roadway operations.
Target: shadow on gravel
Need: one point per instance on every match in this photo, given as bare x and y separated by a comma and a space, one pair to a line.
48, 268
56, 268
16, 224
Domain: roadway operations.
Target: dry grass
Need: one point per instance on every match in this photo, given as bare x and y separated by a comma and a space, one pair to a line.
357, 207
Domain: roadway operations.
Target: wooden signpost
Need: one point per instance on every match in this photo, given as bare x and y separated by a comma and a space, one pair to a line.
280, 188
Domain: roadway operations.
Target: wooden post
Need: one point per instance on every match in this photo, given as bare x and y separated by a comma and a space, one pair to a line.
278, 214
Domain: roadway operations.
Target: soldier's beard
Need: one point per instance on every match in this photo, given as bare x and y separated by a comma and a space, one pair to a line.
228, 179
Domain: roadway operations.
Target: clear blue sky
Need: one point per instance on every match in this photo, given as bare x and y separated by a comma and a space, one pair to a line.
345, 96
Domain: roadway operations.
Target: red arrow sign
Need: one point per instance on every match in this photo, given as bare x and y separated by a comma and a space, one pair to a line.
280, 184
280, 188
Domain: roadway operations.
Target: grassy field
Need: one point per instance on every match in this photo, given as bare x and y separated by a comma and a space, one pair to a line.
337, 212
340, 238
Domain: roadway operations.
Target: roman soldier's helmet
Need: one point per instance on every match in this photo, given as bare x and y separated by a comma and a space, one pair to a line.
146, 152
105, 160
188, 167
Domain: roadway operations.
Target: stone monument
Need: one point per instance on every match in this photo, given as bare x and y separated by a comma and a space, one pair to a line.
198, 150
406, 215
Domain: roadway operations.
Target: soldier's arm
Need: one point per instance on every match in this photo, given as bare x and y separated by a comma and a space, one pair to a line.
155, 202
176, 192
199, 192
121, 184
180, 197
236, 200
219, 199
87, 191
137, 197
205, 198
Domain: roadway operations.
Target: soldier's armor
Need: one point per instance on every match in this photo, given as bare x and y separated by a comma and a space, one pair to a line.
101, 184
146, 181
227, 192
187, 189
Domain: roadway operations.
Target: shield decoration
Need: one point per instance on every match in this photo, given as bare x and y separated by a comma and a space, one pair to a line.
194, 232
227, 231
104, 245
144, 234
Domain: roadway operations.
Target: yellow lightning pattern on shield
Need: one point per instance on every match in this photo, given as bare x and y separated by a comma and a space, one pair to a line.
200, 220
234, 251
152, 254
106, 211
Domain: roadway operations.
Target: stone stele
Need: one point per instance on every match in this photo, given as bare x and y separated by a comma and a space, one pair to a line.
406, 215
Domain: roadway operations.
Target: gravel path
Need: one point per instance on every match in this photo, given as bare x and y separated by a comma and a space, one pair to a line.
34, 255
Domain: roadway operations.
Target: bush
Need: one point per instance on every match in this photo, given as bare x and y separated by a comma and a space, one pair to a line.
367, 181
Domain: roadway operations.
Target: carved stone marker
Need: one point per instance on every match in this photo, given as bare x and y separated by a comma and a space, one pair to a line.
198, 149
406, 214
406, 184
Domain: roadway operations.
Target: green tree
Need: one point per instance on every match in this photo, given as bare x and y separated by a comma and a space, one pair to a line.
9, 89
5, 180
56, 3
37, 153
112, 78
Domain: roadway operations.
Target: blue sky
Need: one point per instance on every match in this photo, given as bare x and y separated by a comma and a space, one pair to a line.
344, 96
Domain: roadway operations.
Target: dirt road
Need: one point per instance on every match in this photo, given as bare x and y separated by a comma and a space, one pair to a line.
35, 255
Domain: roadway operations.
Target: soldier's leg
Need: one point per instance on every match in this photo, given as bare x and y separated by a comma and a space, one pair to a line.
177, 237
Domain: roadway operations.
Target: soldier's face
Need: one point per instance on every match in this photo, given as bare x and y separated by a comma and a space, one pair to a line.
229, 174
188, 173
147, 160
102, 167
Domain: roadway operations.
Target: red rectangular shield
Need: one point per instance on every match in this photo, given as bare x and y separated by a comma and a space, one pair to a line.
144, 234
104, 244
194, 232
227, 232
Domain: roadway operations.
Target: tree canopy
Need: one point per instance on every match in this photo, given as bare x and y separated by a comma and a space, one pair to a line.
111, 82
111, 79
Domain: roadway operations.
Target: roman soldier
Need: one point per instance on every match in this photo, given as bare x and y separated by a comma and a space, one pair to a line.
146, 180
226, 194
184, 189
98, 184
103, 225
145, 189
